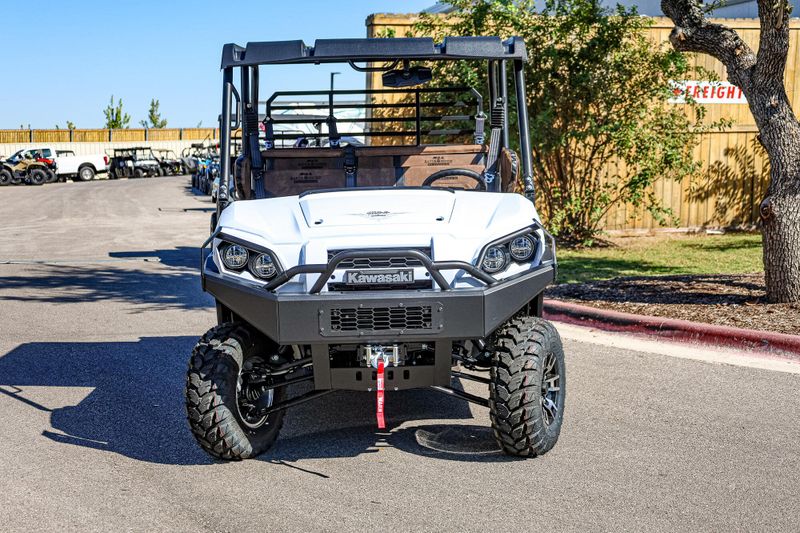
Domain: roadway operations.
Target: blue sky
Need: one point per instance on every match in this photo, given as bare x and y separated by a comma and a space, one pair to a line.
81, 52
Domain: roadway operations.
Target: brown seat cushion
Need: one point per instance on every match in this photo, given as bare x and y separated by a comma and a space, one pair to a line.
292, 171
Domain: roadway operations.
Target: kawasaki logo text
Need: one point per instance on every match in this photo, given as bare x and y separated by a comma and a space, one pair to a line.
380, 277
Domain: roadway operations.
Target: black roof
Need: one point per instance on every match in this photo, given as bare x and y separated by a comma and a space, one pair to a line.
344, 50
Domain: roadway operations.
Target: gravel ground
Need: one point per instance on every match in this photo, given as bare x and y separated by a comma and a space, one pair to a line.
728, 300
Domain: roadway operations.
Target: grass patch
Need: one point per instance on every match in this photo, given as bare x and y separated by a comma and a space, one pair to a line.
735, 253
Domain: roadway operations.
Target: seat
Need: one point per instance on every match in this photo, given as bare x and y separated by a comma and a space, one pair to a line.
292, 171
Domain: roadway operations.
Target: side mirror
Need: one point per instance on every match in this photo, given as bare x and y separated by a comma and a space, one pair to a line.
408, 77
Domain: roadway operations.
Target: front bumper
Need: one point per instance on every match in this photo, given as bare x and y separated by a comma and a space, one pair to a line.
377, 316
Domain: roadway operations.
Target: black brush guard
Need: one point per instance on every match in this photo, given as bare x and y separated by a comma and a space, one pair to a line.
436, 317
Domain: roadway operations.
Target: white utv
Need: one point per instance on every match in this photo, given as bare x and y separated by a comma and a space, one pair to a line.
391, 265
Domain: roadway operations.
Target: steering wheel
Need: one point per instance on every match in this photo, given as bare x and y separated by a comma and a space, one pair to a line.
452, 172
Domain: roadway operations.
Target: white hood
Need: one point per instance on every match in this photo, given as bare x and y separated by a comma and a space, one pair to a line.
302, 230
358, 208
340, 214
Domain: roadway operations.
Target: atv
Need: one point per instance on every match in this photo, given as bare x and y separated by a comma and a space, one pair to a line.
377, 268
24, 167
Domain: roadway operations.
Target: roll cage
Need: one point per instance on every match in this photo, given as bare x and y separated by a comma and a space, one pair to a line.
240, 107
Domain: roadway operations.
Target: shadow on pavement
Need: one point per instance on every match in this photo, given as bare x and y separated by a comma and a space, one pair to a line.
136, 408
154, 287
182, 256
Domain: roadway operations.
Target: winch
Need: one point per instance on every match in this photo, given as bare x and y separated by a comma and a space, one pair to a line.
379, 357
370, 354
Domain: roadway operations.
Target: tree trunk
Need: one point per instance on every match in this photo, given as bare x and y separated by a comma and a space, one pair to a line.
780, 210
760, 76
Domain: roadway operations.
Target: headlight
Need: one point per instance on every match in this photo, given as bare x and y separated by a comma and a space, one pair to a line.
234, 256
521, 248
264, 267
494, 260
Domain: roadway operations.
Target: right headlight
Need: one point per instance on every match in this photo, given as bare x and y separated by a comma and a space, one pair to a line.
234, 256
260, 262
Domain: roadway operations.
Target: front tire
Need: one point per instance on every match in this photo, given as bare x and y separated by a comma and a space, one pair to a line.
216, 395
527, 390
5, 177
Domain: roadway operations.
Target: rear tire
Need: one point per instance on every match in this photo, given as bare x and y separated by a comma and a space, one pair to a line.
37, 177
85, 173
527, 390
215, 390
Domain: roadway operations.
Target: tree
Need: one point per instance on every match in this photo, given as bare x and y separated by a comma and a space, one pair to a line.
154, 117
116, 118
70, 125
597, 94
760, 76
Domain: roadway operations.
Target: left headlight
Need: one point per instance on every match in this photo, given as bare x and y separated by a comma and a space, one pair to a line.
519, 247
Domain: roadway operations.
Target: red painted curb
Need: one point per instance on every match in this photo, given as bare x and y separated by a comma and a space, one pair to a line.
671, 328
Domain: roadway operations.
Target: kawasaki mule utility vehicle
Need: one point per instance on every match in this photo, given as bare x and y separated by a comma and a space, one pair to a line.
393, 264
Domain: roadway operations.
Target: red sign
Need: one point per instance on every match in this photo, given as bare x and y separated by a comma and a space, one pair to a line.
707, 92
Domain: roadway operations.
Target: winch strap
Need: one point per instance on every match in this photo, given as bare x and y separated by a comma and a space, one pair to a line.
381, 385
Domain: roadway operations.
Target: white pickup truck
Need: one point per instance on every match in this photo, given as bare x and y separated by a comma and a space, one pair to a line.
69, 165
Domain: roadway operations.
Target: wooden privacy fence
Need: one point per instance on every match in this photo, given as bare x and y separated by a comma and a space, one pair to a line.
104, 135
725, 193
734, 174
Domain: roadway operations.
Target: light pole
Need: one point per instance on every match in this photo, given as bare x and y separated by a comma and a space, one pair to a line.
332, 75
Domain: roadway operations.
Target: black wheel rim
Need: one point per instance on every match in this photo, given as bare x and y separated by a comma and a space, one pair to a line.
551, 389
250, 386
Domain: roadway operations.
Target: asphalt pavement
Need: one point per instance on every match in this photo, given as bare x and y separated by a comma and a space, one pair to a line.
101, 305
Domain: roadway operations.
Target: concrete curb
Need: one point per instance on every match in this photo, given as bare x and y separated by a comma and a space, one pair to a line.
681, 330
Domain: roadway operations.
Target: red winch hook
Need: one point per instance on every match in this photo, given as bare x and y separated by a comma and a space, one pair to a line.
381, 386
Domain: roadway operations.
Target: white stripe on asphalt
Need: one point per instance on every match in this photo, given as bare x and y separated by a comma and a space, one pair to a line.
681, 350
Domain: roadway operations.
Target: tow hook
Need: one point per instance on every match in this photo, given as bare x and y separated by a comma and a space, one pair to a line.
381, 395
379, 357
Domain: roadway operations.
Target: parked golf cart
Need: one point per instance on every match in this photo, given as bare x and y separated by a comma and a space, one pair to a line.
136, 162
190, 156
378, 268
208, 168
171, 164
